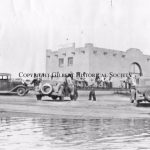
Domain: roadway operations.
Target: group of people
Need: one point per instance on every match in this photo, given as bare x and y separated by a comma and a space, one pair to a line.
99, 82
67, 82
130, 81
69, 86
104, 82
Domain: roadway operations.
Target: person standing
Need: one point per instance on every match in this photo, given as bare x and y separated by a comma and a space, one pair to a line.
92, 92
132, 89
36, 83
103, 81
70, 85
110, 82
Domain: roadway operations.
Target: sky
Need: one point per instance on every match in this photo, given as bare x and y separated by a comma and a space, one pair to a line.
29, 27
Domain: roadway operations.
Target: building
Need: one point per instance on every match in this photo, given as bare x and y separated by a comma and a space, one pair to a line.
92, 59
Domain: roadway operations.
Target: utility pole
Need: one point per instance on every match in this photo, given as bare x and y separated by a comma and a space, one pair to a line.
111, 2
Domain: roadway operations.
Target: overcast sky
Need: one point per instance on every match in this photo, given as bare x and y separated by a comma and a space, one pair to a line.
29, 27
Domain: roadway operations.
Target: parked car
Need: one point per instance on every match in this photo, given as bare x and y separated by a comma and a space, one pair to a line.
141, 92
12, 86
55, 89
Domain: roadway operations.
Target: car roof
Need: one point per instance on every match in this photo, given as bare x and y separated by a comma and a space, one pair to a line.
5, 74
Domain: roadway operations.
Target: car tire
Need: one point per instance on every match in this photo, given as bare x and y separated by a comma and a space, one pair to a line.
21, 91
147, 95
38, 97
49, 87
54, 97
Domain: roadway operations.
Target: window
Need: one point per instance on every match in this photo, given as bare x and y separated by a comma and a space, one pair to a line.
61, 62
94, 52
105, 53
48, 57
135, 68
70, 61
5, 78
123, 56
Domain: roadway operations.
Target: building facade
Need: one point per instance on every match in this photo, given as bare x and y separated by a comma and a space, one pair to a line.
92, 59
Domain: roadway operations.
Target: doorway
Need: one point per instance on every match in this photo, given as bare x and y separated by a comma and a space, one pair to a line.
135, 69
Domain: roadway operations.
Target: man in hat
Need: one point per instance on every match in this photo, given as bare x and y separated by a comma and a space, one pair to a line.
92, 91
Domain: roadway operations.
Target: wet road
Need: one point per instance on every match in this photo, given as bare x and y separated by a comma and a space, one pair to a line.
109, 123
107, 105
47, 133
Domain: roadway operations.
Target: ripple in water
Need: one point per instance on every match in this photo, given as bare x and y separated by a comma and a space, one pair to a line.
73, 134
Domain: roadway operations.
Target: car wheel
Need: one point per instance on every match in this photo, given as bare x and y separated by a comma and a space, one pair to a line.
38, 97
21, 91
147, 95
54, 97
46, 88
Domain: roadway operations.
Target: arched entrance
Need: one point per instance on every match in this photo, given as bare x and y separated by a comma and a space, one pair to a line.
136, 69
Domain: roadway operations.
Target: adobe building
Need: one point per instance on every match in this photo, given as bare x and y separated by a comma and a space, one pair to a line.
92, 59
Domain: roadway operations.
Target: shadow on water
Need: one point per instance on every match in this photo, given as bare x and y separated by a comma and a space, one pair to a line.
66, 133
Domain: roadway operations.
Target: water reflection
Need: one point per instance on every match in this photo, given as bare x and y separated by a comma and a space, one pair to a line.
61, 133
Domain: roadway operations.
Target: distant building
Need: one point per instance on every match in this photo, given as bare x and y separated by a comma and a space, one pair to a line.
92, 59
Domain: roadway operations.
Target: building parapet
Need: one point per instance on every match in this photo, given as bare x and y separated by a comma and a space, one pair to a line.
96, 50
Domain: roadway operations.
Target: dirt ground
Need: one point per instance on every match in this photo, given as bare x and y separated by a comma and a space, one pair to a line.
106, 105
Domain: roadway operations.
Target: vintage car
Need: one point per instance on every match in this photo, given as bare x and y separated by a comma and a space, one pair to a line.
55, 90
141, 92
12, 86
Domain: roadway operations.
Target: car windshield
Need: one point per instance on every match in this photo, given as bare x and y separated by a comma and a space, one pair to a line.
4, 77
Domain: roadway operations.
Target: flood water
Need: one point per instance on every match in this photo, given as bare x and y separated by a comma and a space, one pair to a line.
47, 133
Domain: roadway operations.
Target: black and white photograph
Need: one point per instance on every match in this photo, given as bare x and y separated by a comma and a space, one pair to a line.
74, 74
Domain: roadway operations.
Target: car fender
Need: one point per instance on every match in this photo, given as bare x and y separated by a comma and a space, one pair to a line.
18, 86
